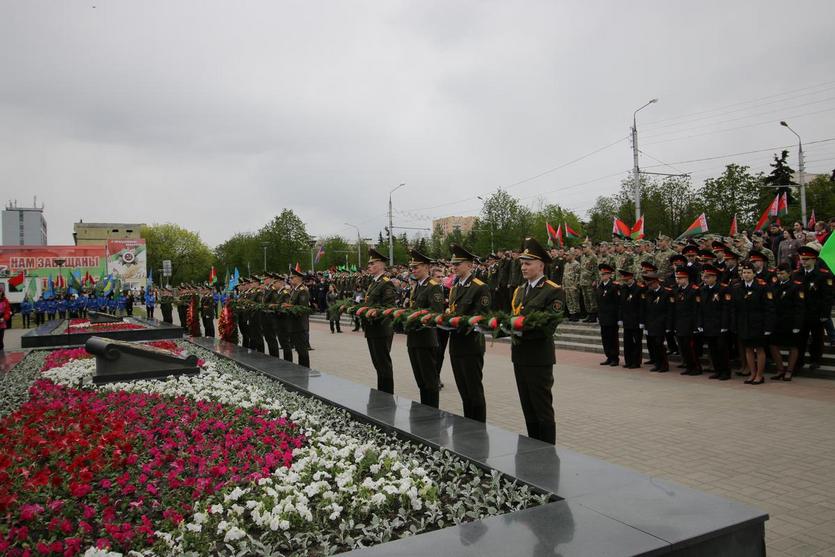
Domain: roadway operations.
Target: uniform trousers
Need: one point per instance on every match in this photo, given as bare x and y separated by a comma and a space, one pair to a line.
632, 346
380, 350
299, 341
611, 346
657, 352
467, 370
535, 384
422, 359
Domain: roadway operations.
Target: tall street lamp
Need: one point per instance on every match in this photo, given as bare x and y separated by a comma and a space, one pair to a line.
264, 245
492, 249
391, 227
636, 173
801, 165
359, 252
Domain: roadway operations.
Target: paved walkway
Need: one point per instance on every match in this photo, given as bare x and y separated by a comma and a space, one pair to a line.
772, 446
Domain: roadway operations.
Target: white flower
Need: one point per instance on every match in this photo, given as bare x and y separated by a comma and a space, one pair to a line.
233, 534
216, 509
192, 527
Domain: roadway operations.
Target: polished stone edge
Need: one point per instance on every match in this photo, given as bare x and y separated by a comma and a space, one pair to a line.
684, 521
44, 337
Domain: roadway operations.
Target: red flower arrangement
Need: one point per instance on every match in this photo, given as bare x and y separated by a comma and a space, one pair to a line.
58, 358
103, 327
83, 468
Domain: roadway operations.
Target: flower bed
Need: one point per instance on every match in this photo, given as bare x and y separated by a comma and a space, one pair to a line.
330, 484
77, 326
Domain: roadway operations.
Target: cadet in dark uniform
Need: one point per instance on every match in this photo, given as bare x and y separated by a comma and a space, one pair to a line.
631, 316
421, 344
715, 310
182, 306
686, 320
608, 298
468, 296
789, 305
379, 333
658, 313
754, 320
818, 290
533, 353
256, 337
299, 325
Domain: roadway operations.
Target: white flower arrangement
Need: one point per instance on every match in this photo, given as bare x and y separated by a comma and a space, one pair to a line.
350, 485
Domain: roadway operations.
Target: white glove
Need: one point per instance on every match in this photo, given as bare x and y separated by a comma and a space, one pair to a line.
699, 330
723, 330
767, 333
641, 326
823, 319
620, 323
795, 331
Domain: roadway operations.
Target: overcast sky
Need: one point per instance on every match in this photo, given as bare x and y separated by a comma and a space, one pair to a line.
216, 115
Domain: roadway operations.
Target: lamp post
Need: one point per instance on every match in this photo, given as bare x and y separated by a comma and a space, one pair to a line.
264, 245
801, 167
636, 173
359, 249
391, 227
492, 248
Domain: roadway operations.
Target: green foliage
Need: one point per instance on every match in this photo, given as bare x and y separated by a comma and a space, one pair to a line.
735, 192
286, 242
190, 258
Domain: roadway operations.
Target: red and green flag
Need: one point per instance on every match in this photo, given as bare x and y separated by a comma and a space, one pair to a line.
569, 232
16, 282
212, 276
734, 230
553, 234
637, 232
620, 228
812, 221
771, 211
699, 226
827, 253
783, 204
298, 267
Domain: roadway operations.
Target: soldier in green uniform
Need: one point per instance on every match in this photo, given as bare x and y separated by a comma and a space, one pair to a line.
183, 299
299, 325
533, 354
241, 310
281, 321
571, 285
422, 343
267, 315
166, 300
379, 333
207, 311
588, 280
662, 258
256, 299
468, 296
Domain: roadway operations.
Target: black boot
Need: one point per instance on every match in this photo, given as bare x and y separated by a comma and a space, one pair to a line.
548, 432
533, 429
429, 398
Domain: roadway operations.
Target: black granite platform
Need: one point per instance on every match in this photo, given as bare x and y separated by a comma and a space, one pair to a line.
53, 333
599, 509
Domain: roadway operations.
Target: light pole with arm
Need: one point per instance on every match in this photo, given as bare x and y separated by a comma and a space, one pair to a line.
636, 173
391, 227
801, 167
359, 252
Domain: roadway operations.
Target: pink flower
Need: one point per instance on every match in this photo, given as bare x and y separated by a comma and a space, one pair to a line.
80, 490
28, 511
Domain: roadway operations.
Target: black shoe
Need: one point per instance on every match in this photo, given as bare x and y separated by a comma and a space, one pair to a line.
613, 363
715, 376
606, 363
656, 368
685, 372
634, 366
740, 374
779, 376
649, 362
440, 385
340, 332
725, 377
590, 320
681, 366
664, 370
760, 382
749, 381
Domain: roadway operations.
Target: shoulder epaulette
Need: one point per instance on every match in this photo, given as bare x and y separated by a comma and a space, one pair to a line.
386, 279
668, 289
478, 282
434, 282
761, 282
825, 270
552, 284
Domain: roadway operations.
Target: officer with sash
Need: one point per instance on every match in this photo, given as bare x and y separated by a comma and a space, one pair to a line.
533, 353
468, 296
299, 325
379, 332
422, 343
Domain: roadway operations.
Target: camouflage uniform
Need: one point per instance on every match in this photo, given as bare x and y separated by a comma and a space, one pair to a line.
571, 285
662, 261
588, 276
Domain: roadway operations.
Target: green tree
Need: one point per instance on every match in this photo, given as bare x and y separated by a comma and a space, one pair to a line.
287, 242
241, 251
735, 192
510, 220
599, 226
820, 196
191, 259
781, 175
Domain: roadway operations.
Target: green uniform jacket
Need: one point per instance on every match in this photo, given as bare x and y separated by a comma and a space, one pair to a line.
299, 297
380, 293
472, 298
536, 348
429, 295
